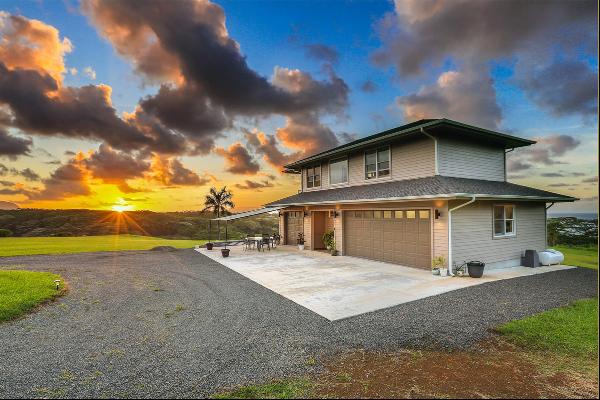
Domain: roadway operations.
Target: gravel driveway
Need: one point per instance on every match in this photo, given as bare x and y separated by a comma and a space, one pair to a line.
177, 324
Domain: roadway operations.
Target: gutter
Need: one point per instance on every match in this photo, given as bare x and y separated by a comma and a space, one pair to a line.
435, 144
450, 261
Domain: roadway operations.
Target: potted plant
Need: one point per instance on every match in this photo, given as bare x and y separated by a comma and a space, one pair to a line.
328, 240
334, 251
209, 245
437, 266
300, 241
475, 269
225, 252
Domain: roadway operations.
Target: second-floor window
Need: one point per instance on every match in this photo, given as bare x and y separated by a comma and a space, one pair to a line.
338, 171
313, 177
377, 163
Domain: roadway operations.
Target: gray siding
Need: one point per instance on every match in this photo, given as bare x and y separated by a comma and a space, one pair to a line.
413, 159
473, 238
464, 159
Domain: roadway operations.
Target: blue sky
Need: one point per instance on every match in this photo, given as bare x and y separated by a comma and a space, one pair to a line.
276, 33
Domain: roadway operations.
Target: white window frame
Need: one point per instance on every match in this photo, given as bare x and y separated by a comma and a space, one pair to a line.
504, 219
334, 160
377, 150
314, 167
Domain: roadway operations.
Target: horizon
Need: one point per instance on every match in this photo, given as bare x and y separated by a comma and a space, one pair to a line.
103, 107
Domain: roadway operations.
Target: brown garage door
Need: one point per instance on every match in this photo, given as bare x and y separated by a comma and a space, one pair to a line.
293, 226
401, 237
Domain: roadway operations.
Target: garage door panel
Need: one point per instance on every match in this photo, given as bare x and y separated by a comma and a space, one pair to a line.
293, 226
400, 236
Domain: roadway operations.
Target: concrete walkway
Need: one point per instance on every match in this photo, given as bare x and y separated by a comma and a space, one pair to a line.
341, 287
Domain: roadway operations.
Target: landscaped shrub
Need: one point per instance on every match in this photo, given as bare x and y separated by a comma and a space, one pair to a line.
572, 231
5, 232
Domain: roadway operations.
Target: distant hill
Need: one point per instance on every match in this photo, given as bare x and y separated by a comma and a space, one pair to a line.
177, 225
7, 205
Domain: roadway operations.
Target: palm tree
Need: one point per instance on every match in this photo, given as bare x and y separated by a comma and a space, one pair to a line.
219, 202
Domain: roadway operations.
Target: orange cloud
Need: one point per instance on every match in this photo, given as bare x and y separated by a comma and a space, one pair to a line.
32, 44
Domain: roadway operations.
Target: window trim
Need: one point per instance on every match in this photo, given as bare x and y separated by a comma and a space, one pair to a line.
313, 167
333, 160
377, 150
504, 219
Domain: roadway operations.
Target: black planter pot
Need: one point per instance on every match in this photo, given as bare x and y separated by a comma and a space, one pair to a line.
225, 252
209, 246
475, 269
334, 252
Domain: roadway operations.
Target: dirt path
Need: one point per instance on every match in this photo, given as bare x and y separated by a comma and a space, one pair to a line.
495, 370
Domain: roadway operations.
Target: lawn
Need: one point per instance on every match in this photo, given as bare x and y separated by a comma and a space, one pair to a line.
20, 291
284, 389
581, 256
569, 330
17, 246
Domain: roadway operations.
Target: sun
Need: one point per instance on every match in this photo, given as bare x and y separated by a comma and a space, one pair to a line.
121, 207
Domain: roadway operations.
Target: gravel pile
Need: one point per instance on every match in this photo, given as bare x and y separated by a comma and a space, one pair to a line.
177, 324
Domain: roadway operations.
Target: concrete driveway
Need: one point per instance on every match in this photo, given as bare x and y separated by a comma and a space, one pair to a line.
343, 286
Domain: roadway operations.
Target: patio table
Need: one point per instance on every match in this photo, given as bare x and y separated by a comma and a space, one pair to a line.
258, 239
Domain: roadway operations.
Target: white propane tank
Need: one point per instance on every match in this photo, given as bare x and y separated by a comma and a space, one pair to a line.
551, 257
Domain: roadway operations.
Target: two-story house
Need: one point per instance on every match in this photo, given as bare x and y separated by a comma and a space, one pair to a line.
430, 188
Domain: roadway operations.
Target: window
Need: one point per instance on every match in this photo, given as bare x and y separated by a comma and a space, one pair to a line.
377, 214
504, 220
313, 177
338, 171
398, 214
410, 214
377, 163
423, 214
387, 214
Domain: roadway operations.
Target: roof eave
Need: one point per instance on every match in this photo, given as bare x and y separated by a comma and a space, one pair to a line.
449, 196
511, 141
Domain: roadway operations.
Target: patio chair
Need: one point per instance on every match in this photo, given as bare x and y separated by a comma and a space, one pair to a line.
266, 241
248, 243
276, 239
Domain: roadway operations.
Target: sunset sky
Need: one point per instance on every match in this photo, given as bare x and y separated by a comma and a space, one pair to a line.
145, 105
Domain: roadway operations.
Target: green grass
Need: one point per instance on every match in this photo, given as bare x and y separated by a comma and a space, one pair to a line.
17, 246
20, 291
285, 389
570, 330
581, 256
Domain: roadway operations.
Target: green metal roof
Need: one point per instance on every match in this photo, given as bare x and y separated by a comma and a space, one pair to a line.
432, 125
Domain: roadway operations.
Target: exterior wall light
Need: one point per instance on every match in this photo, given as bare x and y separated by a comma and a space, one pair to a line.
438, 214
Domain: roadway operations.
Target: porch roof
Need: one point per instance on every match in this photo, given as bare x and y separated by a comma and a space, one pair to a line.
248, 213
432, 187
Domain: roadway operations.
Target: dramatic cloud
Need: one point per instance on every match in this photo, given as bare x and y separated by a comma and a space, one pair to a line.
171, 172
546, 151
322, 52
430, 31
515, 165
32, 44
206, 81
114, 167
68, 180
425, 34
267, 146
257, 186
563, 88
466, 96
13, 146
27, 173
238, 160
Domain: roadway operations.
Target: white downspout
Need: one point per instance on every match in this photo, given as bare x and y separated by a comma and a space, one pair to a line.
435, 147
450, 231
546, 222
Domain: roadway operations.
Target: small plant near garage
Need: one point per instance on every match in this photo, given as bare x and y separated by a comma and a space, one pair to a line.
438, 266
328, 240
301, 241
